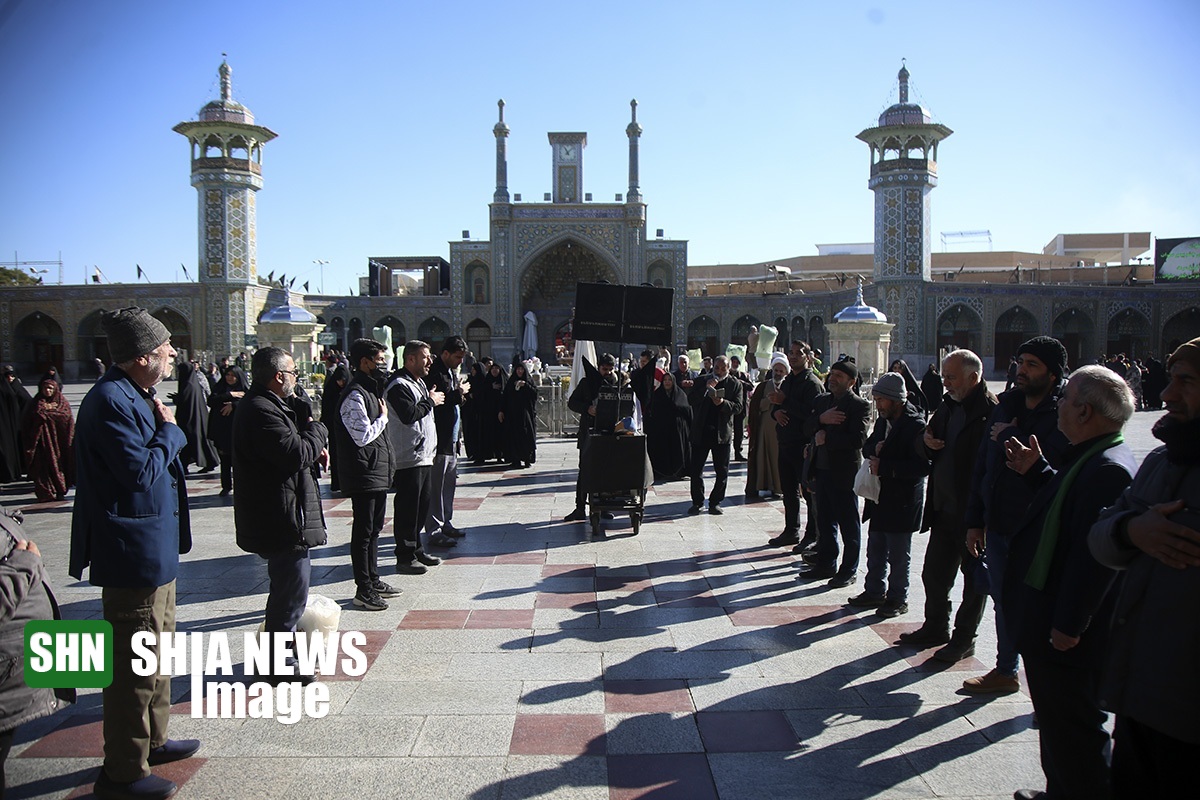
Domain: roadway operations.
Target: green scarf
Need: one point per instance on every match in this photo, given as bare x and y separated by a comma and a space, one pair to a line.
1040, 568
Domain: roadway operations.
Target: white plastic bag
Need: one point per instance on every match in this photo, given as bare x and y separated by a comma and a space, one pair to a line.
320, 614
866, 485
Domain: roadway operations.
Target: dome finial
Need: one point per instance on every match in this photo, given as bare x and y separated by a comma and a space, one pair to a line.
633, 108
226, 79
500, 104
903, 76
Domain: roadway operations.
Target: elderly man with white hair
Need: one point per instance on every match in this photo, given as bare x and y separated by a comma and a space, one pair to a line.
1056, 596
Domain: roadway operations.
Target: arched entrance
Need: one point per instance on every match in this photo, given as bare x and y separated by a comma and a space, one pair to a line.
1183, 327
1074, 329
703, 333
741, 329
38, 344
959, 328
181, 332
548, 288
337, 326
799, 331
479, 338
356, 330
399, 336
1013, 327
817, 338
433, 332
1129, 333
92, 341
782, 341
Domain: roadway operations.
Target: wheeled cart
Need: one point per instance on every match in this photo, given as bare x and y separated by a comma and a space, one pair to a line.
615, 472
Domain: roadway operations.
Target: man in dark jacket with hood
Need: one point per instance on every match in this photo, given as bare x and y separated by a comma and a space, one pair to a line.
895, 453
365, 464
999, 497
276, 503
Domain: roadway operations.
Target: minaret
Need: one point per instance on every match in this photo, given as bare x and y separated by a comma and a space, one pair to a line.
634, 131
226, 152
903, 172
501, 132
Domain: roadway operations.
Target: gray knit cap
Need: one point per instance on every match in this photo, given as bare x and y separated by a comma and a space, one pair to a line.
891, 386
132, 332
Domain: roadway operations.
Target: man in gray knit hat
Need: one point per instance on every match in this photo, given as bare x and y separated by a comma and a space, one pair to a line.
129, 525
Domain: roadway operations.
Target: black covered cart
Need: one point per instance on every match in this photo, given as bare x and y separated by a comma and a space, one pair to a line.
615, 472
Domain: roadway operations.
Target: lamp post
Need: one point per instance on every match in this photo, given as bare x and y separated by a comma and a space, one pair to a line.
320, 262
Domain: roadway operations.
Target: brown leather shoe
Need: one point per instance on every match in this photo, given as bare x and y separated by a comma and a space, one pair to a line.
993, 682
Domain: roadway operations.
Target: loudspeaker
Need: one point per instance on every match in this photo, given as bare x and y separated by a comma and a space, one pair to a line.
606, 312
598, 312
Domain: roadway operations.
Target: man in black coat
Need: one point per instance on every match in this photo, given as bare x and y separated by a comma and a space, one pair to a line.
791, 406
683, 374
641, 379
951, 442
276, 502
895, 454
739, 421
583, 402
365, 462
838, 427
443, 376
716, 399
1056, 597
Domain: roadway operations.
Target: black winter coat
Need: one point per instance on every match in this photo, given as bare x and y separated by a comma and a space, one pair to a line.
800, 390
706, 414
1076, 599
368, 468
902, 470
842, 451
446, 416
963, 450
276, 501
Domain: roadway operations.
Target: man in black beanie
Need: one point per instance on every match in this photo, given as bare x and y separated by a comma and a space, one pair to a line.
129, 524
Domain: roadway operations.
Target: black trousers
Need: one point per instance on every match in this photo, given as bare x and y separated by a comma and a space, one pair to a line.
1070, 727
837, 508
791, 468
739, 431
701, 447
413, 487
946, 556
369, 511
1147, 764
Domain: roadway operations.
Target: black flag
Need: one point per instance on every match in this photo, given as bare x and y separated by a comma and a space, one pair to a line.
185, 272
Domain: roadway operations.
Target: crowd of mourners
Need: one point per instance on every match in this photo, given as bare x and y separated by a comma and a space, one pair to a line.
1032, 497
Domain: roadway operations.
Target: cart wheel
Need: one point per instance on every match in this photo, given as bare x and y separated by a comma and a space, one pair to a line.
636, 519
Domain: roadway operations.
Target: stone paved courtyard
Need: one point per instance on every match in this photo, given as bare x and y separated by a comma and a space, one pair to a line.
685, 662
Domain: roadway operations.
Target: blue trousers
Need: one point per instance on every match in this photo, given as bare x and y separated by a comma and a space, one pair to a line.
888, 556
996, 558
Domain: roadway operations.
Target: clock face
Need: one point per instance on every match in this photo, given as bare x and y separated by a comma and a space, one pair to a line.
566, 151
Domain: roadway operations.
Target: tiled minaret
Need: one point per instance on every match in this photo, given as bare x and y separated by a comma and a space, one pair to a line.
903, 172
226, 154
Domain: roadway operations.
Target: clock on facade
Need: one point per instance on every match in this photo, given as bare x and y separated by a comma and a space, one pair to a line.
566, 152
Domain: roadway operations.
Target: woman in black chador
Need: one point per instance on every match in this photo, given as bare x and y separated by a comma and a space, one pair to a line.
222, 403
331, 409
13, 399
470, 411
519, 418
668, 431
191, 414
491, 397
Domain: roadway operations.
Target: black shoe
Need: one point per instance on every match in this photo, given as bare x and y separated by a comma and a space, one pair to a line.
784, 539
173, 750
924, 637
411, 568
809, 558
890, 609
441, 540
753, 497
694, 510
842, 581
427, 560
1029, 794
715, 509
384, 589
453, 532
607, 515
865, 600
955, 652
369, 600
816, 573
225, 492
150, 787
578, 515
739, 457
805, 548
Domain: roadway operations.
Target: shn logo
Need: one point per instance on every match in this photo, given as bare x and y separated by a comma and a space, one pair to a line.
68, 654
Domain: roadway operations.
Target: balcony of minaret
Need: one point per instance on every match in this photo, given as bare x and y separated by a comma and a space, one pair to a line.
235, 154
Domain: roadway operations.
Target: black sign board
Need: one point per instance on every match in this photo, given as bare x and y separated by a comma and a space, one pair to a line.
606, 312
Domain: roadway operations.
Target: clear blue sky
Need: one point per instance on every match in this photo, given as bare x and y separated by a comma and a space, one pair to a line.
1067, 116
